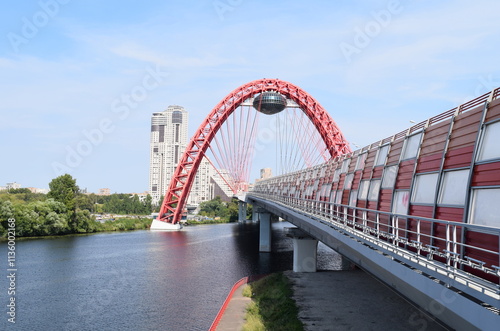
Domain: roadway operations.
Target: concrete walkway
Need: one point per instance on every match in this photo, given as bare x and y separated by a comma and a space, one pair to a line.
353, 300
340, 300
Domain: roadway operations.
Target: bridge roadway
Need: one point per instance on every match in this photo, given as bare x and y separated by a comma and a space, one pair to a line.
454, 297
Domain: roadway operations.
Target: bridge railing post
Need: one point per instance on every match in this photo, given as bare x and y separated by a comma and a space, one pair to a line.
393, 229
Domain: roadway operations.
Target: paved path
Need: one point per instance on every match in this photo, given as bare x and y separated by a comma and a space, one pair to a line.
234, 316
340, 300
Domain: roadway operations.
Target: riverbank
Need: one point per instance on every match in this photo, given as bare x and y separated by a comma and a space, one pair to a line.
347, 300
208, 221
257, 304
120, 224
272, 306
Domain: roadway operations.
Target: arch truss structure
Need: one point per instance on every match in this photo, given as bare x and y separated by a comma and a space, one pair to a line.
330, 136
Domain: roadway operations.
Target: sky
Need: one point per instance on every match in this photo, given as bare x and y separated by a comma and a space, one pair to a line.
68, 68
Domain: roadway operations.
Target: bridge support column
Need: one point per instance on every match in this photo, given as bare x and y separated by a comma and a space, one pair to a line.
265, 230
305, 250
255, 216
242, 211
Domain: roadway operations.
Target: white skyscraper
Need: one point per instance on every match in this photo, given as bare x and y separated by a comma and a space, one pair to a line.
168, 141
169, 138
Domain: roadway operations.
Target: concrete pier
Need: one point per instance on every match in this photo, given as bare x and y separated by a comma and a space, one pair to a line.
265, 231
305, 249
242, 211
164, 226
255, 216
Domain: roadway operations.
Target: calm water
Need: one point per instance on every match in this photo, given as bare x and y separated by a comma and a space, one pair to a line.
140, 280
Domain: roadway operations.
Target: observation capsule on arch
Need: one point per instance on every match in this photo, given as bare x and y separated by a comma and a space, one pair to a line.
269, 103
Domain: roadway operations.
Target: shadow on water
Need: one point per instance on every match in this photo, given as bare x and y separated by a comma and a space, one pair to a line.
246, 236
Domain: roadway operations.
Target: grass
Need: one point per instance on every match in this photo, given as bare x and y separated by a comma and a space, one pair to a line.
125, 224
272, 307
209, 221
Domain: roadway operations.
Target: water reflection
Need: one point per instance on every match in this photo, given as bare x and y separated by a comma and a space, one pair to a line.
141, 280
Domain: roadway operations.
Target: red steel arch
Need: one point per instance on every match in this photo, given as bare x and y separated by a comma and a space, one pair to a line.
182, 180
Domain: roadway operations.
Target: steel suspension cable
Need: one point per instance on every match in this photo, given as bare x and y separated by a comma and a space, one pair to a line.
250, 145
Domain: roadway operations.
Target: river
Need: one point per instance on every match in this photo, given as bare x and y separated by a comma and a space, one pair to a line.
139, 280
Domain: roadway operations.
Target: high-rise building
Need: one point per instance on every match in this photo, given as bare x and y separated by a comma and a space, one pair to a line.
169, 138
168, 141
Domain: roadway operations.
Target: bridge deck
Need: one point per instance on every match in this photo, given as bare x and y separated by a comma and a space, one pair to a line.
459, 299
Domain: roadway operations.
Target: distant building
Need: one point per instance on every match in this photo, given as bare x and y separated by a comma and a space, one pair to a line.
104, 191
38, 190
169, 138
142, 196
265, 174
222, 186
13, 186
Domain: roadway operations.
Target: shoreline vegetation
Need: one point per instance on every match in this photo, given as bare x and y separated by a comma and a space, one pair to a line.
272, 306
67, 210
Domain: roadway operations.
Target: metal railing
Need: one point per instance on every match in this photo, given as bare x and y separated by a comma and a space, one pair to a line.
434, 247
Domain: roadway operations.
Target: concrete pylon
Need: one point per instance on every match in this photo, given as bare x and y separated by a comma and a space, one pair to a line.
255, 216
305, 250
265, 230
242, 211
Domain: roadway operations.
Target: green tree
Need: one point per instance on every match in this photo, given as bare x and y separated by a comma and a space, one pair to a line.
233, 210
126, 204
135, 205
18, 190
158, 205
84, 222
147, 205
113, 205
52, 217
6, 212
85, 201
28, 222
65, 190
214, 207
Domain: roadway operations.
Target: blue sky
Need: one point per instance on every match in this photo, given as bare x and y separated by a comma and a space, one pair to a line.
374, 65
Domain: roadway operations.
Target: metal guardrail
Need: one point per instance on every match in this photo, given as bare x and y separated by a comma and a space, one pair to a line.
443, 257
